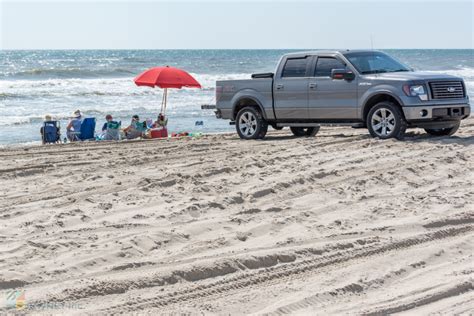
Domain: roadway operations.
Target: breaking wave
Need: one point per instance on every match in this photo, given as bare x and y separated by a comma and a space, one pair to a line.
47, 73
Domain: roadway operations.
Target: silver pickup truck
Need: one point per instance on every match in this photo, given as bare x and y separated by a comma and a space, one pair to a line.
369, 89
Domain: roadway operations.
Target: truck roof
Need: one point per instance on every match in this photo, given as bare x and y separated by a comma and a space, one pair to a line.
327, 52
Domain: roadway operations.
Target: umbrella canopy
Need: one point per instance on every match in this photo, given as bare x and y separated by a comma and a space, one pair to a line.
166, 77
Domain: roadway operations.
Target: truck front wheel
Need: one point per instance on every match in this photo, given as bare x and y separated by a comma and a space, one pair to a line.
447, 131
304, 131
250, 124
386, 120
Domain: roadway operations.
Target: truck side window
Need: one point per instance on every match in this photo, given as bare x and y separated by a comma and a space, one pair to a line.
295, 67
325, 65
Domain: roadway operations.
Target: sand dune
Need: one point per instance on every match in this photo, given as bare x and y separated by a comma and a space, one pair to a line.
336, 224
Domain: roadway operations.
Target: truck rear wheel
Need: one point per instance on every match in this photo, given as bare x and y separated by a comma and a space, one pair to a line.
447, 131
385, 120
250, 124
305, 131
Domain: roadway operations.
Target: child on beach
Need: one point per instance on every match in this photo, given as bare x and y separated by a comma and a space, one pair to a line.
110, 129
161, 121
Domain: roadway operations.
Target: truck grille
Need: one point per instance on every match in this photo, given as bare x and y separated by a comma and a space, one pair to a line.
447, 90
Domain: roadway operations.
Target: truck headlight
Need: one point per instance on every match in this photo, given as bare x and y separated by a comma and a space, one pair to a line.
417, 90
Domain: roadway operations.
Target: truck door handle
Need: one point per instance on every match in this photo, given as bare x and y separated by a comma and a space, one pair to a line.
312, 86
279, 86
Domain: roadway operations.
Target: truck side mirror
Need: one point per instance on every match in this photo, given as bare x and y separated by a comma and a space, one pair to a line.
342, 74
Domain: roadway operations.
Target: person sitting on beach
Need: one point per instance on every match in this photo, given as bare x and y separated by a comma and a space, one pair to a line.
135, 129
50, 124
73, 128
161, 121
110, 129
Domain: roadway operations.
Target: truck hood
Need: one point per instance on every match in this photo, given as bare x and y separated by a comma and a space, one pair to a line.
411, 75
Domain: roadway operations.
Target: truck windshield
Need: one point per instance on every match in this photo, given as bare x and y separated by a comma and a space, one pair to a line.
374, 62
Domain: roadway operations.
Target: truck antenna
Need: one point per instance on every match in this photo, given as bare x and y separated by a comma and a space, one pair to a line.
372, 46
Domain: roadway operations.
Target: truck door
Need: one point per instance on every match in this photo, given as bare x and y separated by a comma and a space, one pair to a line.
290, 89
328, 98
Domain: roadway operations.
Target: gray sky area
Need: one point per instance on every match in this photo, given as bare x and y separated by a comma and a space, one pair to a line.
231, 24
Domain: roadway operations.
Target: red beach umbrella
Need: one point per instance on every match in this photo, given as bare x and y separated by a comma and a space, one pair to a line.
166, 77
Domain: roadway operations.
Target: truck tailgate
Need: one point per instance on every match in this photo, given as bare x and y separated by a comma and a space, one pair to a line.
228, 92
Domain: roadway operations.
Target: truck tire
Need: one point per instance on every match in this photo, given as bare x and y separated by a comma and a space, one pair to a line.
385, 120
250, 124
305, 131
447, 131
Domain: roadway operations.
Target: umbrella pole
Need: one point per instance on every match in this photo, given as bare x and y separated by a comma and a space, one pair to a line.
162, 102
166, 100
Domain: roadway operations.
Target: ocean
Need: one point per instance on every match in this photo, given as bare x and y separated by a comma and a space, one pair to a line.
98, 82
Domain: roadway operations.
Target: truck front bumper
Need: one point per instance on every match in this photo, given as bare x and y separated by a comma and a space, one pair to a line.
437, 112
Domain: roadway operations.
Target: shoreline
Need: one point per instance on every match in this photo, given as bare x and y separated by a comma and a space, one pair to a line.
79, 143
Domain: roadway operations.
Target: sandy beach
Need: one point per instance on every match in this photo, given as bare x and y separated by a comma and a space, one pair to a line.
336, 224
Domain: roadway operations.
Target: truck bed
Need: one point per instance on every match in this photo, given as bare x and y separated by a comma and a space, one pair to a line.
228, 91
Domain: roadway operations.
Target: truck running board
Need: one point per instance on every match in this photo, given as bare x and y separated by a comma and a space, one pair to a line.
298, 124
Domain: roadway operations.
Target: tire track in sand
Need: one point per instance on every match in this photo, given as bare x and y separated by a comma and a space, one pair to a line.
281, 272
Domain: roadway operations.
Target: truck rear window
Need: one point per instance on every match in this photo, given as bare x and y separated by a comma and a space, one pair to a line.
295, 67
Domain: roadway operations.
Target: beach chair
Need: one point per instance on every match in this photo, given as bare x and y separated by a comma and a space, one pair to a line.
113, 131
51, 132
87, 129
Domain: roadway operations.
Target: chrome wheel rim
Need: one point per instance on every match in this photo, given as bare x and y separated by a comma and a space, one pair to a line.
383, 122
247, 124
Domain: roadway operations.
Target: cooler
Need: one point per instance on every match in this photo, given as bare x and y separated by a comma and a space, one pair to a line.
159, 133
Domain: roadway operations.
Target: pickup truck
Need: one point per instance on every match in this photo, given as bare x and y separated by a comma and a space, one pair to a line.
366, 88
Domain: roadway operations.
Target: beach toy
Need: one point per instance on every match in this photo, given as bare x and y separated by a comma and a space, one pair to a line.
197, 134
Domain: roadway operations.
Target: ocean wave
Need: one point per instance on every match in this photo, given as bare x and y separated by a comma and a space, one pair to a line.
6, 95
98, 87
52, 73
467, 73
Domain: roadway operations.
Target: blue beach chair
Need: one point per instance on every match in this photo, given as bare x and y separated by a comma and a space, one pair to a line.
87, 129
51, 132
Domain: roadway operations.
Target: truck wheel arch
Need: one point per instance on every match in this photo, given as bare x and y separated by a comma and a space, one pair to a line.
378, 97
244, 101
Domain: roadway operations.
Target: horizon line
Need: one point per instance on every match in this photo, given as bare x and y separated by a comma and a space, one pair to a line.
138, 49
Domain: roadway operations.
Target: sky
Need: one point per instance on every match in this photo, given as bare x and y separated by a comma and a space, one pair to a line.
107, 24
